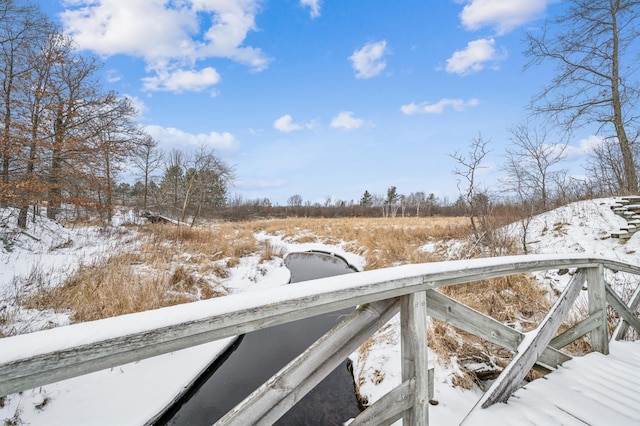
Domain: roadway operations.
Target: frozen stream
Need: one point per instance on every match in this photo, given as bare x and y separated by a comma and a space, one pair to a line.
258, 355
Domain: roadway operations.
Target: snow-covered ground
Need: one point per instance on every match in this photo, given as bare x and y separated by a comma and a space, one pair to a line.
104, 397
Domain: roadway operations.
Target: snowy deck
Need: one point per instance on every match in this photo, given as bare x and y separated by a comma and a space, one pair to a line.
591, 390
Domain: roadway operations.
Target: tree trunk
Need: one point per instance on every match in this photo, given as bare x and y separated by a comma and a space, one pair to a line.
198, 207
55, 193
6, 134
187, 195
22, 216
146, 190
631, 178
30, 172
108, 201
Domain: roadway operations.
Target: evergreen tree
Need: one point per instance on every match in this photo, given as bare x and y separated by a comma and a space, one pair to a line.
367, 199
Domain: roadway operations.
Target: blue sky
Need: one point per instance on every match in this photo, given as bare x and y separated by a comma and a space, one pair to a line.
322, 98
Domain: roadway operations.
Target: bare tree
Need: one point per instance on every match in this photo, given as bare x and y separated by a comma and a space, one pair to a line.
212, 182
531, 165
44, 52
516, 183
417, 200
594, 47
404, 202
206, 181
605, 167
532, 174
114, 140
22, 28
76, 102
379, 201
467, 169
147, 160
295, 200
173, 178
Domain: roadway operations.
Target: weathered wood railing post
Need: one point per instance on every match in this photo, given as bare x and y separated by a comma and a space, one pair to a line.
287, 387
413, 317
623, 326
598, 307
530, 349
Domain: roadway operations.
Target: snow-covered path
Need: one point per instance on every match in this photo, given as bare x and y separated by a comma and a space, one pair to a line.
594, 389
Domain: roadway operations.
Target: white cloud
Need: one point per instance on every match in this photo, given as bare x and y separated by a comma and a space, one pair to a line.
182, 80
113, 76
369, 60
137, 103
176, 138
168, 36
473, 58
346, 121
313, 5
502, 15
585, 146
438, 107
285, 124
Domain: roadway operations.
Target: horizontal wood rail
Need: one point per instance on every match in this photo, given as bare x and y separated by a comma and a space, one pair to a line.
36, 359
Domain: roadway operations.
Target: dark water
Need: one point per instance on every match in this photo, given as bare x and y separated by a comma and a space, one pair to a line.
315, 264
261, 354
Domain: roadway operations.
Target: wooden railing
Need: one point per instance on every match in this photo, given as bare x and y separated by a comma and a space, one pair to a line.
35, 359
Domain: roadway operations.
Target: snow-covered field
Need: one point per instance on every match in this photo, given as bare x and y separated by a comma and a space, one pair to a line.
105, 397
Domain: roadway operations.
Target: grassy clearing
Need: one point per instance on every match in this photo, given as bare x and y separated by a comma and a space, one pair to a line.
383, 242
179, 264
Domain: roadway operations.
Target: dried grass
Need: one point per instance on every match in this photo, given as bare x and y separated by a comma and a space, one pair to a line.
269, 251
172, 265
383, 242
516, 300
106, 289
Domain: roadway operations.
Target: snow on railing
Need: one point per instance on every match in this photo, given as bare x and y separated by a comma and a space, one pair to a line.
35, 359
